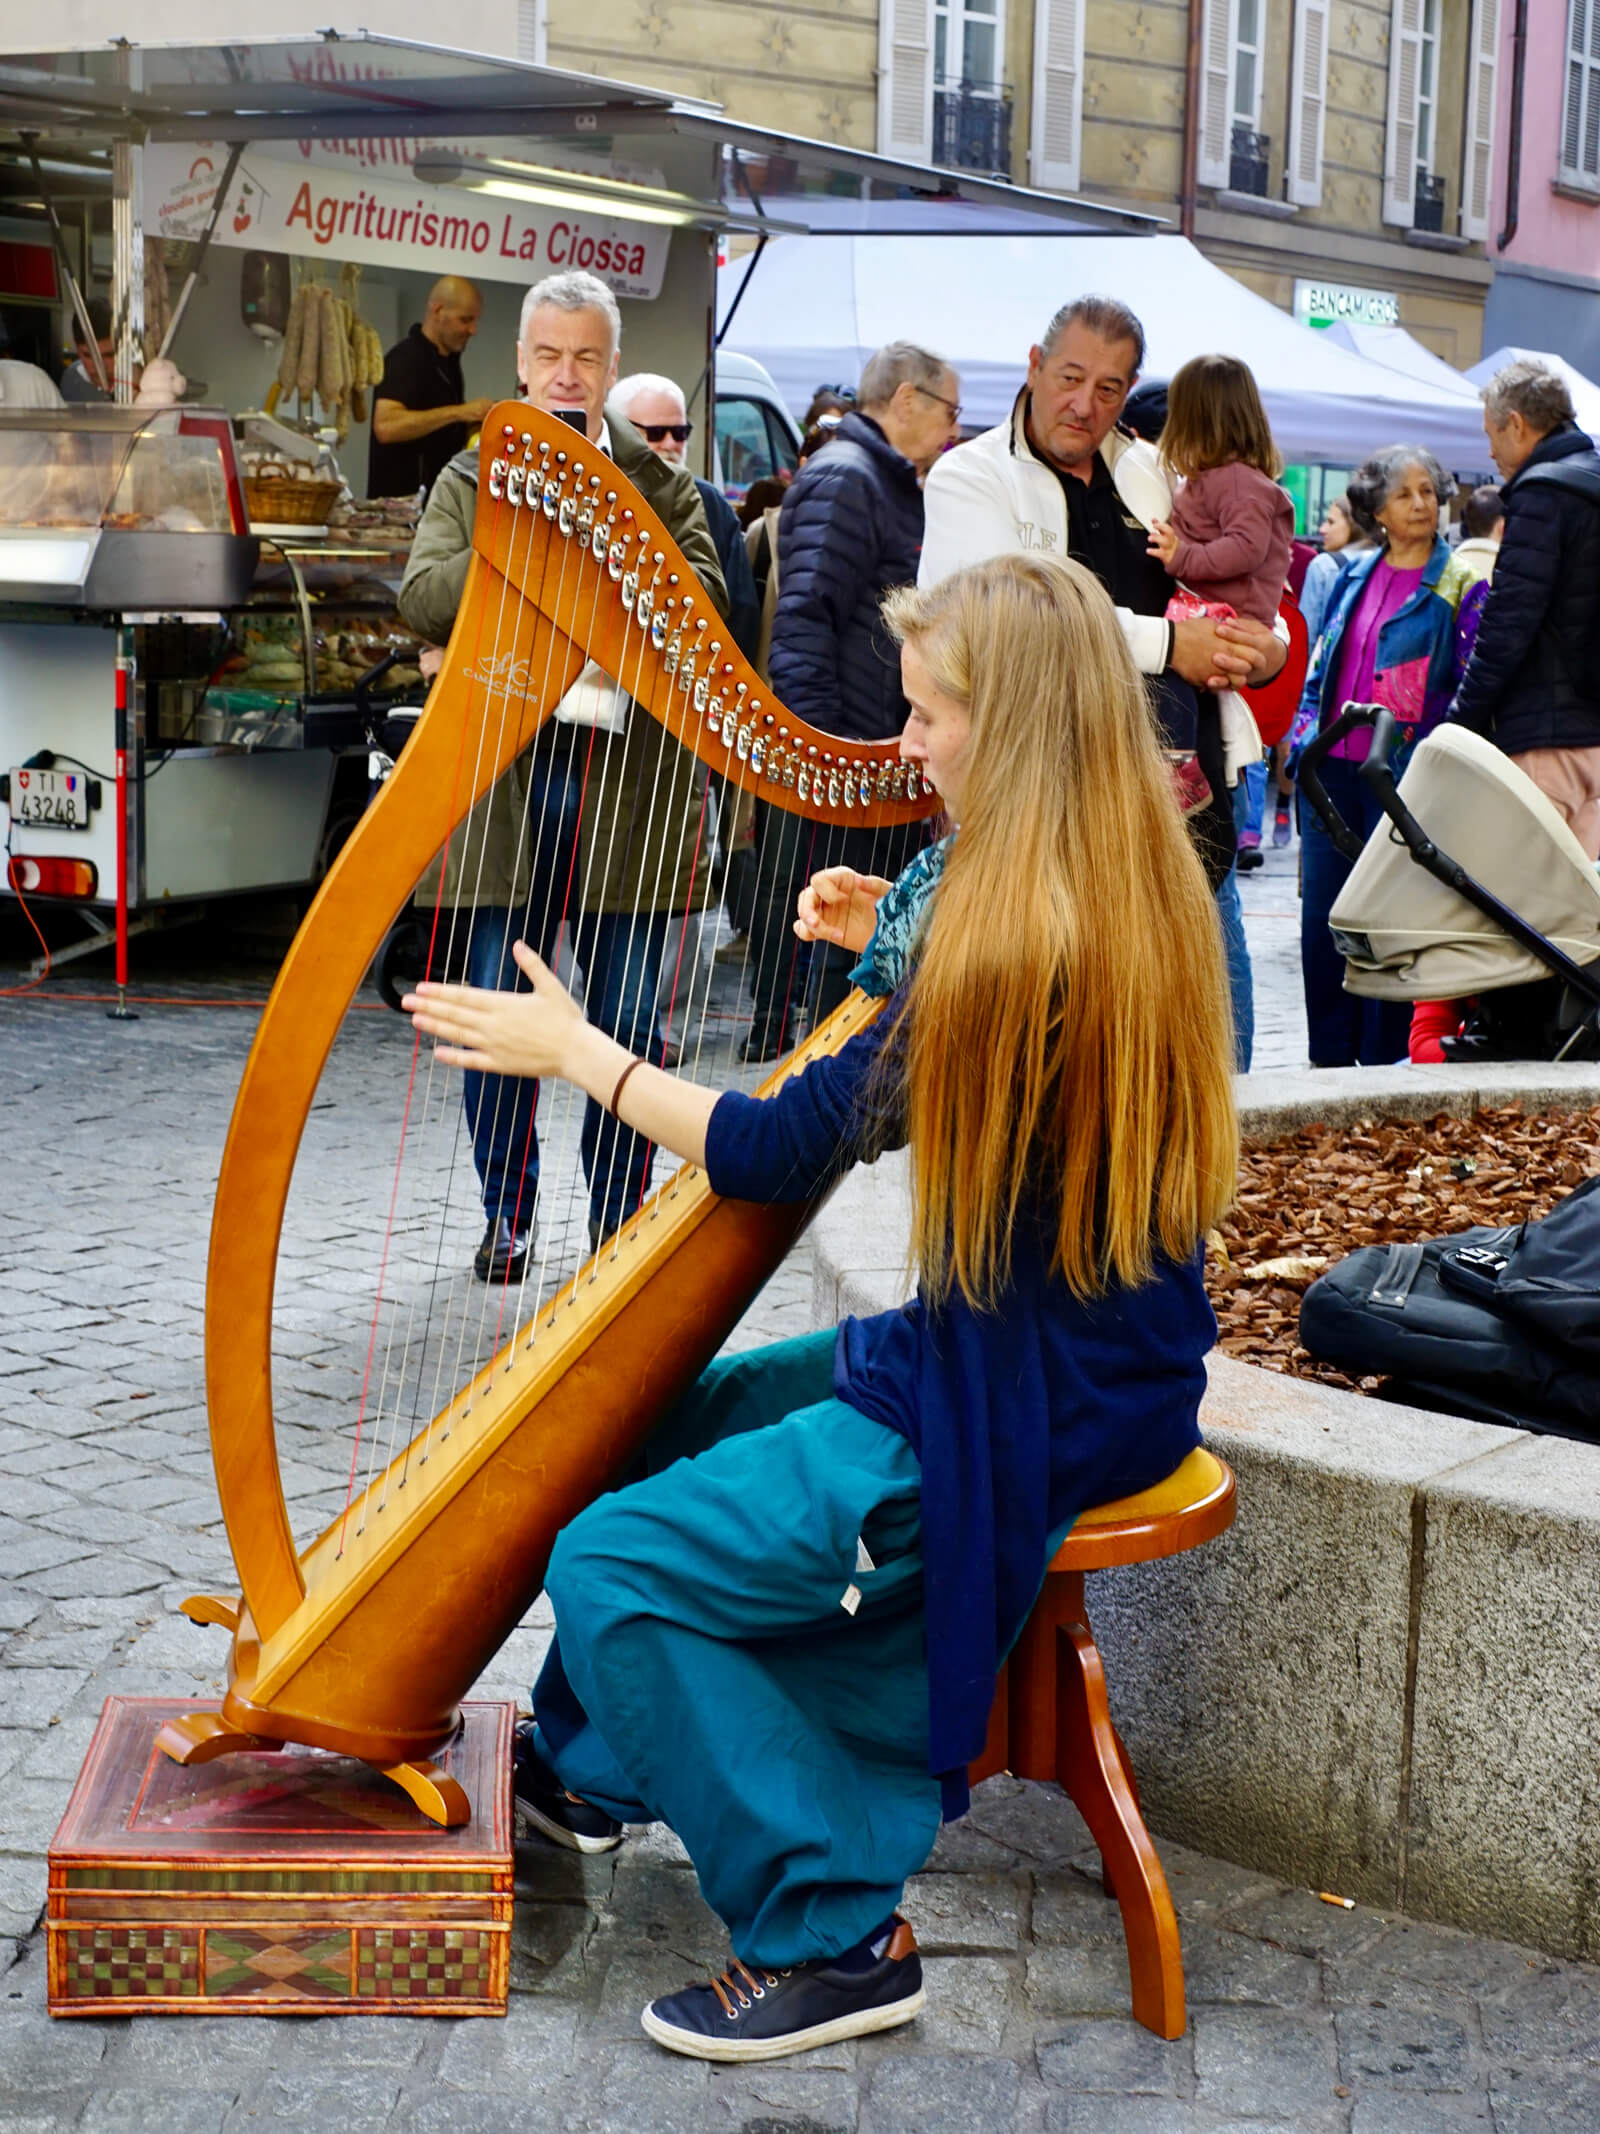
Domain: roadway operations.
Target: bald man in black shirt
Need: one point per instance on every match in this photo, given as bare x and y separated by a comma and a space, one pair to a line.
421, 418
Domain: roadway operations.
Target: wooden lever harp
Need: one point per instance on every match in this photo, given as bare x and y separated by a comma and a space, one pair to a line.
364, 1641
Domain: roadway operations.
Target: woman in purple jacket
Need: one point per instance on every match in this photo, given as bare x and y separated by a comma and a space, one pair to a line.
1388, 638
783, 1639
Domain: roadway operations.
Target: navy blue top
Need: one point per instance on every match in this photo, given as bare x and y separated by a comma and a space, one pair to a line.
1022, 1417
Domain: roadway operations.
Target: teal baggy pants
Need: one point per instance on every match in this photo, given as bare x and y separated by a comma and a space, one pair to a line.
726, 1662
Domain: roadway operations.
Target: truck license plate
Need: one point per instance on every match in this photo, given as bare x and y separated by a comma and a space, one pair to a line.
57, 799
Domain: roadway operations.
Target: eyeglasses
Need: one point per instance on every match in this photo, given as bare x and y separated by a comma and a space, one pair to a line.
951, 407
654, 432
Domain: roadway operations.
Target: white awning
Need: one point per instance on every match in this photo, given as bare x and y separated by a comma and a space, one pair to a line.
817, 307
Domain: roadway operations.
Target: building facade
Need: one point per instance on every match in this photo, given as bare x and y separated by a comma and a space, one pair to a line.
1338, 156
1546, 219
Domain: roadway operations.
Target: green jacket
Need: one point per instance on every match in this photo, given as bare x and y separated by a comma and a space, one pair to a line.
641, 818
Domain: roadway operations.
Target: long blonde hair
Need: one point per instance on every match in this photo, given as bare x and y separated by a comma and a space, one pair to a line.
1066, 1041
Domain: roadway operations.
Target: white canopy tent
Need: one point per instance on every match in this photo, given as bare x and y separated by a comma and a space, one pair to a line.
1400, 351
816, 307
1585, 393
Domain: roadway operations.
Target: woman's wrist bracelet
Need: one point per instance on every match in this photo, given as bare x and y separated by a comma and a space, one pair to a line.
622, 1083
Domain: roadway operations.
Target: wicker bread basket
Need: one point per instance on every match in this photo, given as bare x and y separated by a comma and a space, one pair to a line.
275, 497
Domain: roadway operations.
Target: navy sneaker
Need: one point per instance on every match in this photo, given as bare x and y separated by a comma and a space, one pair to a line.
751, 2013
539, 1801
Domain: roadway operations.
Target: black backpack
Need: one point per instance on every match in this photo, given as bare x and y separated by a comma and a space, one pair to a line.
1502, 1325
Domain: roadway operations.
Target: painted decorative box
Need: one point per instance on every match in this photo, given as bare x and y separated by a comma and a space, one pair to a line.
284, 1881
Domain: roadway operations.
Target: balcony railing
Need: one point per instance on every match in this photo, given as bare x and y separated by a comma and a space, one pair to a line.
1428, 213
1249, 154
972, 127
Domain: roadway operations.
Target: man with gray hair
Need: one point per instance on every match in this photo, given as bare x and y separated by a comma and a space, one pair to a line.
850, 529
594, 825
1532, 685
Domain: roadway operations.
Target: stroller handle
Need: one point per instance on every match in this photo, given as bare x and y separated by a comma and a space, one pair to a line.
1381, 720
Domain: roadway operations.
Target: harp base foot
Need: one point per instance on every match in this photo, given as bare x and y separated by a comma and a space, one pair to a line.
439, 1796
198, 1737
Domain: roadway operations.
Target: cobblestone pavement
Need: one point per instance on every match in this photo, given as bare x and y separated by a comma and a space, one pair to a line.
1303, 2016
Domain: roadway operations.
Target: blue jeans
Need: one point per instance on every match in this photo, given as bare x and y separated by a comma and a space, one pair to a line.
1250, 799
1341, 1029
620, 954
1241, 985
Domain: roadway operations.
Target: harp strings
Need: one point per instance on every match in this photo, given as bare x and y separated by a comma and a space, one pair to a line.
688, 693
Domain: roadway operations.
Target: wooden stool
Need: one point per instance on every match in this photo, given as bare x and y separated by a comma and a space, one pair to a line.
1051, 1719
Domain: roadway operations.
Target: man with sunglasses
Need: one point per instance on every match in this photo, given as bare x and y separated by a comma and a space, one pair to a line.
851, 528
657, 409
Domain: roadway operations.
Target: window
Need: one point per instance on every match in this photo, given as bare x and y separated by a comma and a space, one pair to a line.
1427, 84
967, 43
1247, 63
1580, 119
751, 444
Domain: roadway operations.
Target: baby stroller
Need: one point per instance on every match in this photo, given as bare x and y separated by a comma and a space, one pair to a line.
1519, 935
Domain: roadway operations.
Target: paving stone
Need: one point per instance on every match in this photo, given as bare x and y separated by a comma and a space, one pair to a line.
969, 2003
1403, 2049
358, 2102
64, 1649
642, 2088
1075, 1981
968, 1911
1219, 1966
17, 1609
964, 1846
1552, 2013
1248, 2056
535, 2043
1103, 2054
20, 2117
652, 1901
797, 2098
1410, 1953
1150, 2115
1545, 2100
1203, 1890
1299, 1920
203, 2049
1073, 1907
937, 2093
1036, 1820
36, 1695
395, 2042
38, 2054
1398, 2113
551, 2107
145, 2111
106, 1576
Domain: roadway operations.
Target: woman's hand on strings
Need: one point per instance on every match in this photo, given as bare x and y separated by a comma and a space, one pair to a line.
527, 1034
841, 906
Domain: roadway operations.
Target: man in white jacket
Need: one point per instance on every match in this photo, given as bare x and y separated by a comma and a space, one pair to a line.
1036, 481
1059, 475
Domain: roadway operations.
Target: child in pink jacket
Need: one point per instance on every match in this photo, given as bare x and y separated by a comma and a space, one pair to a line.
1228, 539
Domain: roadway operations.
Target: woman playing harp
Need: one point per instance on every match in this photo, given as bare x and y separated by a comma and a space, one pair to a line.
782, 1638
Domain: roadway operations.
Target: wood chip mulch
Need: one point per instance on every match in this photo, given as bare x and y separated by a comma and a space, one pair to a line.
1308, 1199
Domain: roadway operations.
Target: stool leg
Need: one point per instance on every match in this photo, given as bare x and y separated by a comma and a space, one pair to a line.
1092, 1768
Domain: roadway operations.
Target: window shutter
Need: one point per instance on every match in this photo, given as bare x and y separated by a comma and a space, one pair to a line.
1405, 89
905, 79
1057, 129
1308, 101
1215, 130
1580, 128
532, 17
1477, 161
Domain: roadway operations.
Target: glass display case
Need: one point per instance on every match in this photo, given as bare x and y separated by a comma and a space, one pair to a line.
122, 509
